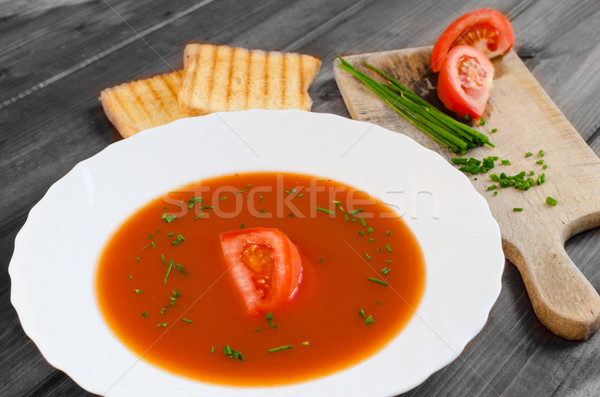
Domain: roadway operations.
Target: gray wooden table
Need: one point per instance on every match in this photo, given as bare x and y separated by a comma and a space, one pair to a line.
56, 56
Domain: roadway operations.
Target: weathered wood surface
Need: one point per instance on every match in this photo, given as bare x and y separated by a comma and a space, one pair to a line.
527, 121
55, 61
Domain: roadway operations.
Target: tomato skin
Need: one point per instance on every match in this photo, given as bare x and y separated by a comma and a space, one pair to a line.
285, 275
465, 81
475, 28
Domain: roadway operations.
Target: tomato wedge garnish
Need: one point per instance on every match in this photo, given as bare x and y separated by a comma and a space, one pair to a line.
465, 81
487, 30
265, 266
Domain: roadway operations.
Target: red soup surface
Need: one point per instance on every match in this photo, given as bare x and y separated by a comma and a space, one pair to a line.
164, 287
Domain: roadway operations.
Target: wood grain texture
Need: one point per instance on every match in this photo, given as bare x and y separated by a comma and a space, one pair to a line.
46, 131
527, 121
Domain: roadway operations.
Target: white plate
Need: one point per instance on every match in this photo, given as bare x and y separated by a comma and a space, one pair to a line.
56, 252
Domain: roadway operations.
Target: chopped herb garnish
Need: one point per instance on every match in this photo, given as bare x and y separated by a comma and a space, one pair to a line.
540, 161
369, 320
163, 310
378, 303
269, 318
551, 201
223, 198
232, 353
505, 162
150, 237
171, 234
368, 256
168, 270
305, 343
240, 191
460, 160
144, 314
169, 218
137, 291
178, 240
517, 209
145, 246
378, 281
260, 198
301, 194
248, 186
492, 187
195, 199
257, 329
179, 267
153, 244
362, 221
387, 247
482, 121
495, 193
291, 214
130, 277
361, 313
372, 240
199, 215
137, 258
262, 211
389, 261
385, 270
161, 325
176, 293
494, 129
356, 211
528, 154
207, 207
325, 210
388, 233
370, 230
531, 172
212, 350
242, 226
320, 260
162, 257
276, 349
186, 320
541, 153
545, 166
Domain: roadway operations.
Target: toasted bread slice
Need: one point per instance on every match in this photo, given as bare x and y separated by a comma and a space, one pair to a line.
138, 105
221, 78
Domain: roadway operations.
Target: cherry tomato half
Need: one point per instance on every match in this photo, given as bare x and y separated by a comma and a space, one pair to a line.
465, 81
487, 30
265, 266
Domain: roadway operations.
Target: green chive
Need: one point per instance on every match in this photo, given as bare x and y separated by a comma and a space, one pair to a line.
176, 293
494, 129
137, 258
144, 314
528, 154
276, 349
168, 271
369, 320
482, 121
540, 161
356, 211
545, 166
368, 256
516, 209
257, 329
325, 210
385, 270
492, 187
262, 211
240, 191
248, 186
162, 257
269, 318
389, 261
232, 353
361, 313
320, 260
161, 325
212, 350
551, 201
388, 233
378, 303
372, 240
370, 230
178, 240
495, 193
387, 247
505, 162
242, 226
305, 343
460, 160
541, 153
130, 277
378, 281
137, 291
362, 221
186, 320
260, 197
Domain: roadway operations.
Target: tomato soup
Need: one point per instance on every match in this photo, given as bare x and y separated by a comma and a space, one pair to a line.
165, 289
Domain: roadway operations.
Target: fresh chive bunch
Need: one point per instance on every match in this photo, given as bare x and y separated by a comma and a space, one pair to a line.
455, 135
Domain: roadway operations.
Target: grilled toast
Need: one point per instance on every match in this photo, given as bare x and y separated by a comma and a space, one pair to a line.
138, 105
222, 78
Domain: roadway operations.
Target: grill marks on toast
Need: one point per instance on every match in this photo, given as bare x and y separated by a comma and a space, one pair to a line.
221, 78
138, 105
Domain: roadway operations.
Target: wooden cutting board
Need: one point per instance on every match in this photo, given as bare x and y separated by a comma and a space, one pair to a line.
526, 120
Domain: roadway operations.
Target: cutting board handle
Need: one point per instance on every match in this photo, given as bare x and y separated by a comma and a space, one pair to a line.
561, 296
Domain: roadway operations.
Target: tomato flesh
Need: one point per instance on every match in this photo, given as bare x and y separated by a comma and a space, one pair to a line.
487, 30
265, 266
465, 81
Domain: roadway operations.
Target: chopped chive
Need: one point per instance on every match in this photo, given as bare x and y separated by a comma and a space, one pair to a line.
260, 198
207, 207
545, 166
528, 154
305, 343
372, 240
356, 211
223, 198
168, 271
242, 226
212, 350
162, 257
460, 160
291, 214
176, 293
388, 233
178, 240
240, 191
171, 234
389, 261
262, 211
505, 162
362, 221
153, 244
301, 194
320, 260
179, 267
369, 320
145, 246
269, 318
540, 161
370, 230
137, 291
361, 313
494, 129
346, 217
387, 247
378, 303
551, 201
257, 329
378, 281
186, 320
195, 199
482, 121
172, 298
161, 325
276, 349
492, 187
137, 258
495, 193
144, 314
531, 172
169, 218
516, 209
541, 153
150, 237
130, 277
325, 210
385, 270
368, 256
163, 310
467, 117
248, 186
232, 353
200, 215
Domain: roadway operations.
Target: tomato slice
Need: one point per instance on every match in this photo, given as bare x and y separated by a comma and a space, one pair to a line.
265, 266
465, 81
487, 30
